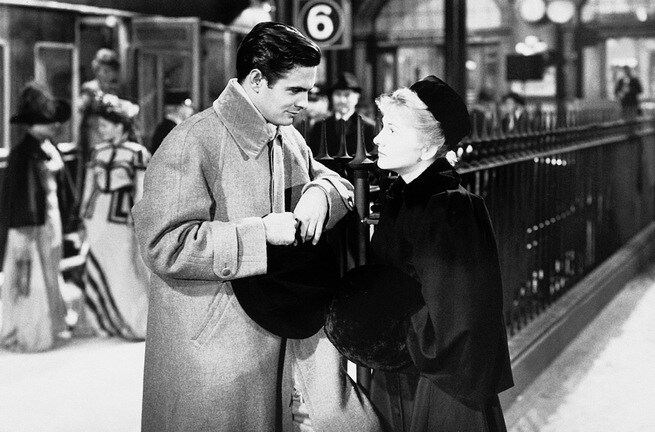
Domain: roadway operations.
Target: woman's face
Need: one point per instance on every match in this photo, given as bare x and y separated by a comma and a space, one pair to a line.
109, 131
399, 147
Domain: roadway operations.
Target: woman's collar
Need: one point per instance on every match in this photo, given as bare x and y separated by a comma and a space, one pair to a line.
438, 177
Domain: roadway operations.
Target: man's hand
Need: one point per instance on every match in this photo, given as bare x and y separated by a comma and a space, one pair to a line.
311, 212
280, 228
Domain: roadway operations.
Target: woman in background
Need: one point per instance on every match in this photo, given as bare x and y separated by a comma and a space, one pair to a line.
33, 309
438, 233
116, 277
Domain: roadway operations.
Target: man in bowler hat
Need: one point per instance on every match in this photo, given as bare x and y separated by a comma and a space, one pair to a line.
344, 96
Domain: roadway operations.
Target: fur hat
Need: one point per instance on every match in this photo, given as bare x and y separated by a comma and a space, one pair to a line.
446, 106
290, 300
36, 105
369, 319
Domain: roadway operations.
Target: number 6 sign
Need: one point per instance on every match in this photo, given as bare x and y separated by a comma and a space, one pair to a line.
326, 22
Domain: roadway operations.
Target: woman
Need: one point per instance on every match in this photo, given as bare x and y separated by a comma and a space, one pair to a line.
33, 309
117, 278
439, 234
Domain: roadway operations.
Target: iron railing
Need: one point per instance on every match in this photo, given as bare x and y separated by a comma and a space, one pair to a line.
558, 190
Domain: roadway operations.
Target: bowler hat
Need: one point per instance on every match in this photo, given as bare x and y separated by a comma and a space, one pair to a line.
290, 300
346, 81
446, 106
369, 319
38, 106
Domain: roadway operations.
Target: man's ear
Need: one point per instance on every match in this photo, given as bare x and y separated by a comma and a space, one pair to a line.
255, 80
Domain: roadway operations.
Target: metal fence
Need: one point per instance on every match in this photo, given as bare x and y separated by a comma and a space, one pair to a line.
563, 194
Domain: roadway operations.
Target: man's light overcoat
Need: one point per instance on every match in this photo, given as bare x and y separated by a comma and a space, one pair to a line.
208, 366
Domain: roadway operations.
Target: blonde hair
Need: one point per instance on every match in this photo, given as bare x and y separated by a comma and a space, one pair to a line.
429, 128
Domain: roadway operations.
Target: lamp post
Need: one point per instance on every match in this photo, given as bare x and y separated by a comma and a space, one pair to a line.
557, 12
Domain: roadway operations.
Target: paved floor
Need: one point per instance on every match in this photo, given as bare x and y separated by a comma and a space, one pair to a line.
603, 382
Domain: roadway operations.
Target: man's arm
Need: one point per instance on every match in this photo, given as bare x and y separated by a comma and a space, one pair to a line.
173, 220
325, 200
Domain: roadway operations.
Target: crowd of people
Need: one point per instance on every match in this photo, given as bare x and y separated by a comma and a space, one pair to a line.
209, 243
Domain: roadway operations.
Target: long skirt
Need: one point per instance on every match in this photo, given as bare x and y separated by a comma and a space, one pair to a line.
33, 310
116, 288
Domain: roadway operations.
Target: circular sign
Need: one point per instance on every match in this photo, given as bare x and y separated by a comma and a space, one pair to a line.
323, 21
532, 10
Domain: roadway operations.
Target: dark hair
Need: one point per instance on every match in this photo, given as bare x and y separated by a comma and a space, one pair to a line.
275, 49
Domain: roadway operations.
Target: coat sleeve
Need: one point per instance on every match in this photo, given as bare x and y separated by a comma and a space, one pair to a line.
455, 338
338, 190
173, 221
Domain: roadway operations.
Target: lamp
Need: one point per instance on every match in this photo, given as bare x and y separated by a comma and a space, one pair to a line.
560, 11
532, 11
557, 11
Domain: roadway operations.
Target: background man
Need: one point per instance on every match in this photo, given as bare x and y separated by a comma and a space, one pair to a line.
344, 97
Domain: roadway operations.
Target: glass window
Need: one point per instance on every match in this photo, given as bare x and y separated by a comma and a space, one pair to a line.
409, 18
597, 9
55, 64
4, 97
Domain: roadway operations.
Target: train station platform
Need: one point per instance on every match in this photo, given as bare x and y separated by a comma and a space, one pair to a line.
603, 381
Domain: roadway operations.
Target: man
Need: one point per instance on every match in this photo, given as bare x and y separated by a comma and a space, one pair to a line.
218, 191
177, 108
627, 91
483, 115
344, 97
514, 113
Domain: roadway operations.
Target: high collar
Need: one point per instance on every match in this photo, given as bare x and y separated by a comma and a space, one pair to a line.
245, 123
437, 178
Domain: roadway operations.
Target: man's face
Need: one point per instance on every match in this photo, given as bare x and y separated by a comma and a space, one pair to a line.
509, 105
283, 101
344, 100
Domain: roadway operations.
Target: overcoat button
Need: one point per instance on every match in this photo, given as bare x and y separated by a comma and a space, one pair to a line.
226, 272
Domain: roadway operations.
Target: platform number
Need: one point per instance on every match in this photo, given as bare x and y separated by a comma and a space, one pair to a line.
326, 22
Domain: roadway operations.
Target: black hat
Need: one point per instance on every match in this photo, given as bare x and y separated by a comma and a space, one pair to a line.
38, 106
446, 106
369, 319
346, 81
177, 98
290, 300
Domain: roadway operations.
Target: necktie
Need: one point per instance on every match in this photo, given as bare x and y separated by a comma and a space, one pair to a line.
276, 159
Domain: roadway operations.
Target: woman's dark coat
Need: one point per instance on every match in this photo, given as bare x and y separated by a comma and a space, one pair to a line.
23, 197
440, 234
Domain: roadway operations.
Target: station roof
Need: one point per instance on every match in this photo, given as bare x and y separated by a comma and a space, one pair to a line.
223, 11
